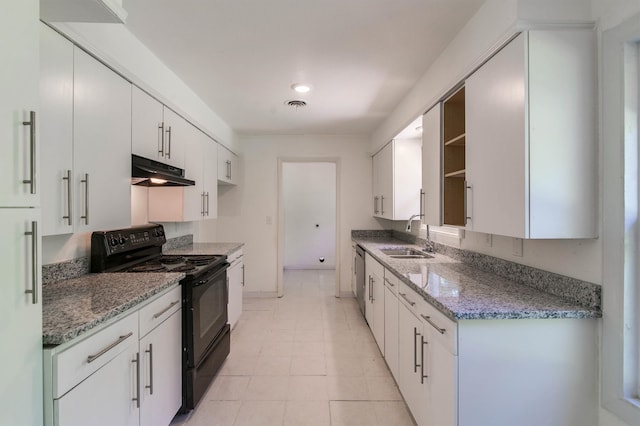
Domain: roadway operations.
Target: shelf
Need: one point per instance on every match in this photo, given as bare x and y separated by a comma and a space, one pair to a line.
456, 174
457, 141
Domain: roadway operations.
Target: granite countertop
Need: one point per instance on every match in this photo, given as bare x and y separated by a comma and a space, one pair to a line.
461, 291
73, 307
206, 248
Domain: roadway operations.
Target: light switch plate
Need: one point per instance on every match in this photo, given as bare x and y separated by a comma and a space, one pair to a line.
517, 247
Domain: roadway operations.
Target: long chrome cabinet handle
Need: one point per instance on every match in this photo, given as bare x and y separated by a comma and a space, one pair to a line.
375, 204
86, 198
32, 148
243, 275
422, 199
415, 350
168, 152
382, 205
121, 339
433, 324
207, 203
34, 262
69, 215
389, 282
465, 203
171, 305
161, 139
150, 385
422, 375
137, 362
228, 169
404, 296
202, 204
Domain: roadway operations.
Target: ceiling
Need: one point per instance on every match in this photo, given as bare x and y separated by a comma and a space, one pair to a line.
241, 56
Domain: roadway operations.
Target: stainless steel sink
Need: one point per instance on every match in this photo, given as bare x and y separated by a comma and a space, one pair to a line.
405, 253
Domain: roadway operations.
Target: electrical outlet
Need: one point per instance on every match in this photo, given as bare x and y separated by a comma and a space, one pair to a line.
517, 247
488, 240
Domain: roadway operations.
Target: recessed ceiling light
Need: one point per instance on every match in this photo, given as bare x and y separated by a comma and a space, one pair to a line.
301, 87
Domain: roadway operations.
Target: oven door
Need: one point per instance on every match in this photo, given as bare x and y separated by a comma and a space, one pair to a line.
209, 315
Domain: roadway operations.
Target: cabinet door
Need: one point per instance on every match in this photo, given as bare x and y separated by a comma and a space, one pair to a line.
391, 331
496, 156
56, 131
147, 127
102, 146
176, 132
210, 176
431, 166
440, 369
378, 310
194, 199
20, 319
234, 275
19, 88
105, 398
376, 168
385, 182
228, 167
161, 377
407, 178
409, 358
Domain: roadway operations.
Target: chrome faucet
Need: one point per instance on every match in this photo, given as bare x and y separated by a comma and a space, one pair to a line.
408, 228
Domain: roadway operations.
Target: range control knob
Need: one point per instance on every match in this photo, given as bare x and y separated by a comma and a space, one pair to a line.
122, 239
113, 241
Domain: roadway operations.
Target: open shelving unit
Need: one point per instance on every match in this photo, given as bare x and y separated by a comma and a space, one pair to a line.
453, 142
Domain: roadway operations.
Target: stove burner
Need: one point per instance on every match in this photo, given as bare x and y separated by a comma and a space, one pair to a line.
200, 260
170, 260
184, 268
148, 268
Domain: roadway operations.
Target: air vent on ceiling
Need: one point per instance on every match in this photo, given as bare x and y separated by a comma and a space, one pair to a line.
297, 103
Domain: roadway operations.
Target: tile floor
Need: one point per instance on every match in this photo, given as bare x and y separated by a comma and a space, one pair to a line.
307, 358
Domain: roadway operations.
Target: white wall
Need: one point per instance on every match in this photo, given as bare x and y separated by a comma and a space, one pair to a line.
309, 203
249, 212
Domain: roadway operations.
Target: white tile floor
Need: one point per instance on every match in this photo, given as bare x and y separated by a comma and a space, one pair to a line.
307, 358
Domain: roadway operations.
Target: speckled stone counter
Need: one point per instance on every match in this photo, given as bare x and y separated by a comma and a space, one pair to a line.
206, 248
461, 291
72, 307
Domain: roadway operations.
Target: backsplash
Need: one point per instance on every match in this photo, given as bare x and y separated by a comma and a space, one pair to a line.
65, 270
575, 290
174, 243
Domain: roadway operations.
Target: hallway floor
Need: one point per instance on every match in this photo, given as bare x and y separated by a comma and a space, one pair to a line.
307, 358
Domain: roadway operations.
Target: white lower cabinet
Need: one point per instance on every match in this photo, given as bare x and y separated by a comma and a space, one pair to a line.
391, 322
127, 373
235, 277
525, 372
374, 310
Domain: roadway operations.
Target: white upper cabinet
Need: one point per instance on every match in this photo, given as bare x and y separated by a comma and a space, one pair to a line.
20, 185
228, 167
101, 146
530, 130
397, 180
431, 169
56, 131
190, 203
158, 133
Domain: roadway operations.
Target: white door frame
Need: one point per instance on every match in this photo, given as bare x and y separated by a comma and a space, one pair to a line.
280, 230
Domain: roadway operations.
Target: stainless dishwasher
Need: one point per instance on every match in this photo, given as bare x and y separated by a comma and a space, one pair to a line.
360, 279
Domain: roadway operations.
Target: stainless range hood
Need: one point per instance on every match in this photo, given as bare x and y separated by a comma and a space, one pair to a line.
146, 172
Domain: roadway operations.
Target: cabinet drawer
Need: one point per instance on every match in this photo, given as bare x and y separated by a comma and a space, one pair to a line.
443, 329
433, 319
159, 310
79, 361
391, 281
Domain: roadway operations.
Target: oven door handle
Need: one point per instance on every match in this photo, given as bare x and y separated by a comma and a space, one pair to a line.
223, 269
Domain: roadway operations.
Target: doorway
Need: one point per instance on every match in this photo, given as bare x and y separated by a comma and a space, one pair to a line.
308, 219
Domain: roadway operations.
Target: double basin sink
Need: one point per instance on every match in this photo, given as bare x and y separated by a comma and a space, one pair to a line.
405, 253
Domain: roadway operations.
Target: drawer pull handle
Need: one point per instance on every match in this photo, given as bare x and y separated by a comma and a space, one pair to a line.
136, 361
389, 282
150, 385
92, 358
159, 314
404, 296
433, 324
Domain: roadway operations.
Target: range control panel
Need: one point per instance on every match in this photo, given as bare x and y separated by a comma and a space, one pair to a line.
122, 240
